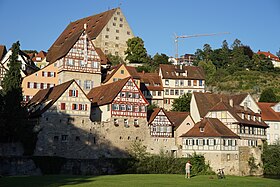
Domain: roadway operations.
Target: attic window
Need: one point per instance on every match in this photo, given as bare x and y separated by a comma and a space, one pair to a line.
93, 26
201, 129
101, 16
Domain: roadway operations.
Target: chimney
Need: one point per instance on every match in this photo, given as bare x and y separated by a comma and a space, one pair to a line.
231, 102
85, 26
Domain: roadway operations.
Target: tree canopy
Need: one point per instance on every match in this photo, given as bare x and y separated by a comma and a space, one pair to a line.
182, 104
136, 51
268, 96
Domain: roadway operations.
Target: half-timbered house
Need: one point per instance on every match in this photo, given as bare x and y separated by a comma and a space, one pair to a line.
165, 128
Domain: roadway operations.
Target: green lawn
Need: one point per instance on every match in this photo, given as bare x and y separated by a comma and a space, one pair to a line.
136, 180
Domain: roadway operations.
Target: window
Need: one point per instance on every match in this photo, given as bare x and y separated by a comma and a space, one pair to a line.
106, 36
135, 122
189, 83
73, 93
167, 82
55, 138
167, 92
129, 107
136, 95
128, 32
201, 129
122, 71
74, 106
117, 37
159, 93
108, 107
77, 138
116, 122
195, 82
176, 92
95, 64
114, 24
70, 62
122, 107
121, 19
117, 31
181, 92
181, 82
176, 82
107, 29
200, 83
171, 92
115, 18
125, 121
62, 106
88, 84
121, 25
115, 107
64, 138
117, 45
136, 108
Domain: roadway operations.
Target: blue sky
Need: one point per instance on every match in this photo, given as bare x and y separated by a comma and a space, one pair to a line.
37, 24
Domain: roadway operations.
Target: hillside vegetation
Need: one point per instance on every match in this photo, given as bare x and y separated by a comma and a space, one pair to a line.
237, 69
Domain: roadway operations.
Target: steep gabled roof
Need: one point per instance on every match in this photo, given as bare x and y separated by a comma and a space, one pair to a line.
131, 70
47, 97
268, 55
3, 51
70, 35
103, 58
176, 118
206, 101
171, 71
212, 127
267, 112
105, 94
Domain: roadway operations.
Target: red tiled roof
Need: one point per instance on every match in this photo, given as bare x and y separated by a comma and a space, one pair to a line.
131, 70
267, 112
41, 54
212, 128
48, 96
103, 58
3, 51
193, 72
105, 94
176, 118
269, 55
218, 102
70, 35
206, 101
153, 79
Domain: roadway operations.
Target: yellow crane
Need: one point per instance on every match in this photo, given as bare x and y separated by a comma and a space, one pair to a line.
193, 36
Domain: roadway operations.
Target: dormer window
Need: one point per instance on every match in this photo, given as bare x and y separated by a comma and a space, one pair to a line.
201, 129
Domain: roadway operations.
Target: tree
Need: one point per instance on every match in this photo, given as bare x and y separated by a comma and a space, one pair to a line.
115, 59
268, 95
278, 53
182, 104
136, 52
209, 69
13, 110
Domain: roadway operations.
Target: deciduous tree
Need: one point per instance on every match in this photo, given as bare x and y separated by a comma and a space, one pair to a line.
182, 104
136, 51
268, 95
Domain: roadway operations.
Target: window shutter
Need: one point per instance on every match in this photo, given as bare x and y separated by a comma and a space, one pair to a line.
85, 107
42, 85
80, 106
54, 74
28, 85
73, 106
76, 93
62, 106
49, 74
70, 93
42, 73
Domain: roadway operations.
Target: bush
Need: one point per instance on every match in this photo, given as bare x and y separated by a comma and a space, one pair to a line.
271, 161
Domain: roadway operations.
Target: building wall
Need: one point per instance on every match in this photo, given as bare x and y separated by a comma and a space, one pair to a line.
112, 39
186, 125
273, 131
120, 74
194, 110
46, 76
250, 102
81, 78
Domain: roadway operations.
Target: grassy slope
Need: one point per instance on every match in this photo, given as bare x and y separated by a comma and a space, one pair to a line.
136, 180
253, 82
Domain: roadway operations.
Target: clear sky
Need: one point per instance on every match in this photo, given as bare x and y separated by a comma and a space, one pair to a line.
37, 24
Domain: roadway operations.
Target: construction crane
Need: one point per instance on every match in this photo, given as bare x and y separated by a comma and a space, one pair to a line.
193, 36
